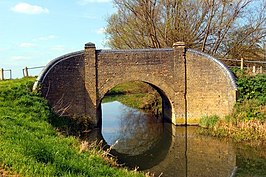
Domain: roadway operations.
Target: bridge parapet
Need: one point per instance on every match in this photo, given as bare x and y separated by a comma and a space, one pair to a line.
192, 84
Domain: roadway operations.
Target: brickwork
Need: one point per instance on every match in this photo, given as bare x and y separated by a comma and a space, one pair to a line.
191, 84
210, 90
62, 84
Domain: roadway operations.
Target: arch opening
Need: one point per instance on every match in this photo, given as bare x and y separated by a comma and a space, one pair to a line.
160, 105
166, 104
133, 133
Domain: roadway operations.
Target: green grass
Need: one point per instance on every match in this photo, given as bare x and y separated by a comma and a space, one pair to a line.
208, 121
30, 145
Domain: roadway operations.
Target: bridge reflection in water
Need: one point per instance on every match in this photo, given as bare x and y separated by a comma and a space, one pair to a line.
141, 140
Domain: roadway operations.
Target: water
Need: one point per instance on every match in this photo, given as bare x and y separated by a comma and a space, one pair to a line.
143, 141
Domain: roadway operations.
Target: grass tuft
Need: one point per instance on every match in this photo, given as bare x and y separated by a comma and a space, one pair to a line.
209, 121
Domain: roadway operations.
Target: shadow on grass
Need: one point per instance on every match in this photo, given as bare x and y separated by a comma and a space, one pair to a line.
70, 126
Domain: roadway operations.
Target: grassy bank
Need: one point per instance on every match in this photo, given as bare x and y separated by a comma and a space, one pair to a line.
30, 145
247, 122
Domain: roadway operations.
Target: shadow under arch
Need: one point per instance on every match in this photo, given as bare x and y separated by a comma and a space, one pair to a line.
156, 148
166, 104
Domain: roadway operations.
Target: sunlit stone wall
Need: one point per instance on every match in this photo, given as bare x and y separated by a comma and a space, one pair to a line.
163, 69
192, 84
211, 89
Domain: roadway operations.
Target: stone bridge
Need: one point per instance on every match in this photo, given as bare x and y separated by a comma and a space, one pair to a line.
192, 84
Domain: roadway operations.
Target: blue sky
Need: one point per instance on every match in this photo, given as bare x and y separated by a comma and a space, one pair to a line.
33, 32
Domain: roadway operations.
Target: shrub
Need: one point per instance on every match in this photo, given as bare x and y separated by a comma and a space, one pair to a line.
248, 110
252, 87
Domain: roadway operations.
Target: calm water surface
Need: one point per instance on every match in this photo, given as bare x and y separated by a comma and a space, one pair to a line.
142, 140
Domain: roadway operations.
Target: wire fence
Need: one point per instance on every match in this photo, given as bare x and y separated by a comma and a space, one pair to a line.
252, 66
26, 70
6, 74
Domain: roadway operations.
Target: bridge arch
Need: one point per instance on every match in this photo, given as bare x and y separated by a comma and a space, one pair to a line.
159, 86
193, 84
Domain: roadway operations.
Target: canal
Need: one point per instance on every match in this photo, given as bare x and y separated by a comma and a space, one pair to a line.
144, 141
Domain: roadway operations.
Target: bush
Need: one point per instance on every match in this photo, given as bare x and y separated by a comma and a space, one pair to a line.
248, 110
252, 87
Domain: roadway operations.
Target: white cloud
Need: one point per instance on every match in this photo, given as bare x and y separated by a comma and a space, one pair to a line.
100, 31
26, 8
84, 2
90, 17
26, 45
19, 58
45, 38
59, 48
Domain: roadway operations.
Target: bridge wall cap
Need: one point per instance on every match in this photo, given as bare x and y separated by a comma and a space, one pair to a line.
89, 45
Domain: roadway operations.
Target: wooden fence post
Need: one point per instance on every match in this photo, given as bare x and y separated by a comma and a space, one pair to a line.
261, 71
2, 74
25, 72
242, 64
254, 69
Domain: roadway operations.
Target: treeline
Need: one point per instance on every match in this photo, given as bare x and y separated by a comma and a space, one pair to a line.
224, 28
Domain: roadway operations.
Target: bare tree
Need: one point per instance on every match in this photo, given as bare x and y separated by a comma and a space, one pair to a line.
219, 27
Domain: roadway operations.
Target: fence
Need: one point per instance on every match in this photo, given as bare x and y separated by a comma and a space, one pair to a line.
2, 73
25, 70
256, 67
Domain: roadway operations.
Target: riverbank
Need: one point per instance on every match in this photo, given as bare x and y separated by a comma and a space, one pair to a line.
31, 146
247, 122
